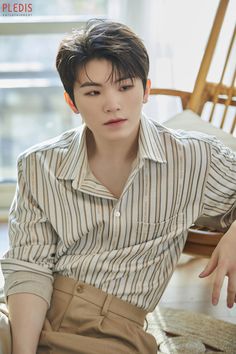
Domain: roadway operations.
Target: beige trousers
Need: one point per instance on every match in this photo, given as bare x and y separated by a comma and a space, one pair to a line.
85, 320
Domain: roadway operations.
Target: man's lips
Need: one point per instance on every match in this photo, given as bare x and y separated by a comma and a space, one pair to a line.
115, 121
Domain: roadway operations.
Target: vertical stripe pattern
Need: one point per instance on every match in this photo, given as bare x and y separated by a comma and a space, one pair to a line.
63, 220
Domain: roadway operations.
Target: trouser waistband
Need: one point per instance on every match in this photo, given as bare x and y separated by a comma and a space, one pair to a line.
107, 302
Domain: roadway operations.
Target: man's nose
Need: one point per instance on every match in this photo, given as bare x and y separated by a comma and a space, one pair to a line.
111, 104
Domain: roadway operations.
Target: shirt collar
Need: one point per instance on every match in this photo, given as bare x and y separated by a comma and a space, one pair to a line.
150, 142
74, 164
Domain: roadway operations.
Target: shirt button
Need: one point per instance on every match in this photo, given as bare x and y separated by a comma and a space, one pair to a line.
117, 213
80, 289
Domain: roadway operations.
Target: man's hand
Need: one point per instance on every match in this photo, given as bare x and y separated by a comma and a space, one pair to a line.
223, 262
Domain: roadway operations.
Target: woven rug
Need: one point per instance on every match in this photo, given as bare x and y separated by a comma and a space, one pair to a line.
185, 332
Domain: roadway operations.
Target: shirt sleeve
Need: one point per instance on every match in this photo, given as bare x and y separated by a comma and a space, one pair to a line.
219, 203
28, 264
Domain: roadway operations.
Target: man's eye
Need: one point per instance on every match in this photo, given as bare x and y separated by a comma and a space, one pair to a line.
126, 87
92, 93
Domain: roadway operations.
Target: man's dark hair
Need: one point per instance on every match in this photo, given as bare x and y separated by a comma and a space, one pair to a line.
102, 39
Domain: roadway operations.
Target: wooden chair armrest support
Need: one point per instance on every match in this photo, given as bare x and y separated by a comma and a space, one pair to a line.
210, 90
201, 242
184, 95
221, 92
194, 249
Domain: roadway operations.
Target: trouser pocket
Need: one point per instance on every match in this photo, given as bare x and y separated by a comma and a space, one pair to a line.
59, 304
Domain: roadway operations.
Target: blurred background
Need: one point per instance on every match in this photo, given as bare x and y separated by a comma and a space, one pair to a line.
32, 107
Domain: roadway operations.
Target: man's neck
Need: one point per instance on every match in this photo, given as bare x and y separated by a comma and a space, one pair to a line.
112, 151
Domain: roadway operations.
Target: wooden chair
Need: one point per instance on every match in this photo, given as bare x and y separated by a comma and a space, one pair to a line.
202, 240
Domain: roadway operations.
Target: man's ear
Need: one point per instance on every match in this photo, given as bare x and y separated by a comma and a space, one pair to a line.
70, 103
147, 91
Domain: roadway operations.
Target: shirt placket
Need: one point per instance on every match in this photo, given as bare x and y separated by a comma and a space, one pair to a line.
116, 224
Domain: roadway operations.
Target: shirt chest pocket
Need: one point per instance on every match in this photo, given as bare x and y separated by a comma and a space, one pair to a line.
166, 229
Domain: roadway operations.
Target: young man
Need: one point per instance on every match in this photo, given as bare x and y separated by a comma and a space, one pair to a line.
101, 212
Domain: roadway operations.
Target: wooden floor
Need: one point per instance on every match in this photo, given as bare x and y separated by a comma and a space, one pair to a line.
185, 290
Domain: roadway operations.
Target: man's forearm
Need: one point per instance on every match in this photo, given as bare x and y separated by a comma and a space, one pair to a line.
234, 224
27, 313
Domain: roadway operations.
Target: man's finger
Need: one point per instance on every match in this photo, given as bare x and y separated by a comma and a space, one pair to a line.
231, 292
210, 267
217, 285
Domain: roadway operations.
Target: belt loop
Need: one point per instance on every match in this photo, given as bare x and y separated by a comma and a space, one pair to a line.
106, 305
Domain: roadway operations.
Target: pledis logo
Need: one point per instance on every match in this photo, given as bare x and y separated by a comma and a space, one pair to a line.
11, 8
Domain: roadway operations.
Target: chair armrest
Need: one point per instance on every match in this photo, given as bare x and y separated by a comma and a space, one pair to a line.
184, 95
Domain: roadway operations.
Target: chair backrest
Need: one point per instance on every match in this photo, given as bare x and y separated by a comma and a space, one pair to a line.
217, 93
202, 241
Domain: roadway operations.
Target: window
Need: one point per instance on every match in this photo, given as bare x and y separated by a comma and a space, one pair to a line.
32, 107
31, 96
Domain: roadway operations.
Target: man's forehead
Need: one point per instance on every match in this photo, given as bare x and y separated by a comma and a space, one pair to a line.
100, 71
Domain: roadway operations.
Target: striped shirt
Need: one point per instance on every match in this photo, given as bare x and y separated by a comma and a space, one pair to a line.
63, 220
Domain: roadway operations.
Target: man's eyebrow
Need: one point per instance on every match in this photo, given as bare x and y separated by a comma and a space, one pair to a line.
90, 83
123, 79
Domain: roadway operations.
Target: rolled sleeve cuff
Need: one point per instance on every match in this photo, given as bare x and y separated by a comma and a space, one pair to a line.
29, 282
